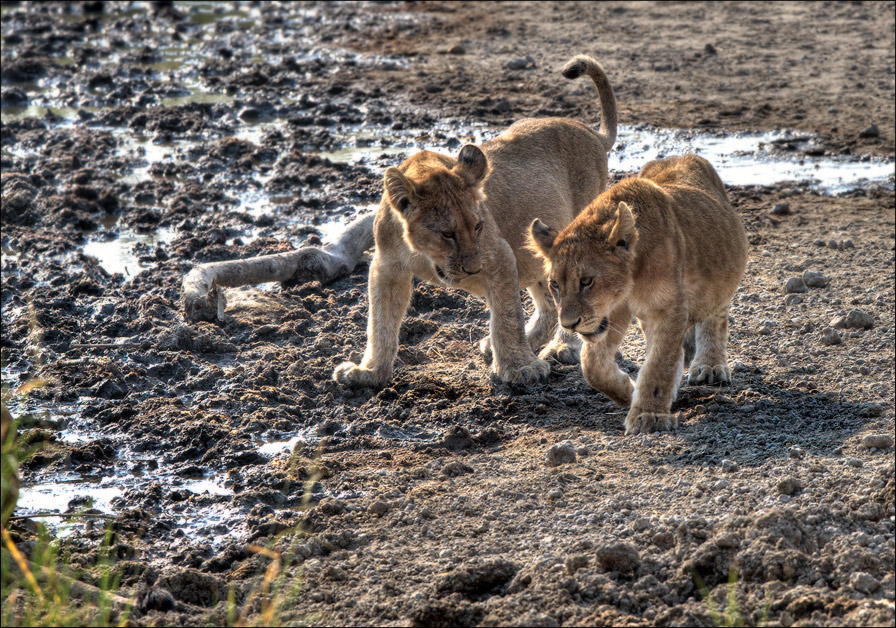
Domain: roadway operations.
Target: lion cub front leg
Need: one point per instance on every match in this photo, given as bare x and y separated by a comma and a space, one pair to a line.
599, 360
390, 291
659, 378
513, 358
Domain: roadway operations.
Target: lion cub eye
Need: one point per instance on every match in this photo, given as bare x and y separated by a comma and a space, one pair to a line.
479, 226
586, 281
449, 235
554, 285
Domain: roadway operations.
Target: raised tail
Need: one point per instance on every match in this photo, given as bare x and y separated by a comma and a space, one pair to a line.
583, 64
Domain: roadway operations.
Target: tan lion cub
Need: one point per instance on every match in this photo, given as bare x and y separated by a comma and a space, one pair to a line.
465, 223
666, 246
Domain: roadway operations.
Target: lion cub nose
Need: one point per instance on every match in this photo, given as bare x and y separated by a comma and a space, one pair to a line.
571, 325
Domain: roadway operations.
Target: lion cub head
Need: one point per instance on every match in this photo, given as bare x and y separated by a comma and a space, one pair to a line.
438, 200
589, 265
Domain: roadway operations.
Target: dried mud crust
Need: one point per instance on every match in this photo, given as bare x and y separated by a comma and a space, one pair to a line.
435, 500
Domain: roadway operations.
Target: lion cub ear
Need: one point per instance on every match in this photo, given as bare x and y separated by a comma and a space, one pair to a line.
623, 235
399, 189
542, 237
472, 165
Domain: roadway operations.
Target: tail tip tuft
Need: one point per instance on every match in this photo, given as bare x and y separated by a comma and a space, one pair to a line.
574, 69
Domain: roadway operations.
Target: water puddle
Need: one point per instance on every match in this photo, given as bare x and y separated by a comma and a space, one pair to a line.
122, 255
56, 497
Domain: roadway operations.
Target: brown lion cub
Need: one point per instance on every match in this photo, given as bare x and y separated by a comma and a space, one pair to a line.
668, 247
465, 223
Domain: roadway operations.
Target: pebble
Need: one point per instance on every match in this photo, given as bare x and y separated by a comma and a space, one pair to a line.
721, 485
814, 279
795, 285
457, 49
575, 562
620, 557
796, 453
878, 441
864, 582
819, 243
378, 508
789, 486
729, 466
520, 63
793, 299
555, 494
871, 131
710, 49
563, 453
780, 209
847, 244
831, 337
857, 319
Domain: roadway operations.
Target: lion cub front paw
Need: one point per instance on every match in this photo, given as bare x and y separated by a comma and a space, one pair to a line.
638, 422
535, 371
350, 374
706, 375
562, 352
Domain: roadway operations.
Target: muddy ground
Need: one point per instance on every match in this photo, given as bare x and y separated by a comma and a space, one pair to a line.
430, 502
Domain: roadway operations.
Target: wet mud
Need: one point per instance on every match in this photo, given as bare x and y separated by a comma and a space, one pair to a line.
139, 139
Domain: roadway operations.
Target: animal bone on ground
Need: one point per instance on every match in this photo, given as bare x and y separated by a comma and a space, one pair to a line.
203, 301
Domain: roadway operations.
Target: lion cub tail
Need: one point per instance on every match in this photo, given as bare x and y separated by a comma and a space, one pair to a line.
583, 64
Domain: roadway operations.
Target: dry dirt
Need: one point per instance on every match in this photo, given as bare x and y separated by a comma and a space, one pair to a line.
430, 502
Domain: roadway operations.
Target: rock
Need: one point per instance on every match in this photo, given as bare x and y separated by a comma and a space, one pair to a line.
457, 438
520, 63
796, 452
831, 337
555, 494
379, 508
620, 557
833, 244
729, 466
838, 322
710, 49
795, 285
249, 114
864, 582
814, 279
793, 299
13, 97
819, 243
563, 453
871, 131
575, 562
780, 209
455, 468
457, 49
878, 441
857, 319
789, 486
847, 244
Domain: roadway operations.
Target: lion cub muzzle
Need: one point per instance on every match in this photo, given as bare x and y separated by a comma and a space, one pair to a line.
591, 335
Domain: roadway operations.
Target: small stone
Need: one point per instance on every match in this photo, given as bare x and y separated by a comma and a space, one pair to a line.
576, 562
789, 486
857, 319
864, 583
249, 114
582, 452
457, 438
555, 494
721, 485
833, 244
520, 63
620, 557
871, 131
729, 466
878, 441
780, 209
793, 299
457, 49
819, 243
847, 244
796, 453
563, 453
795, 285
710, 49
814, 279
379, 508
838, 322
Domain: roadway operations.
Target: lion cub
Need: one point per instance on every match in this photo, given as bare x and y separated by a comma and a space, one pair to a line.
666, 246
465, 222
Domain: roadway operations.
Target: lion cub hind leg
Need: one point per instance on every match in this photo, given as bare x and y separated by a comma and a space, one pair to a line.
710, 364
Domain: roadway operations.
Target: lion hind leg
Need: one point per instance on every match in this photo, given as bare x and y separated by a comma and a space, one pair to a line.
710, 363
